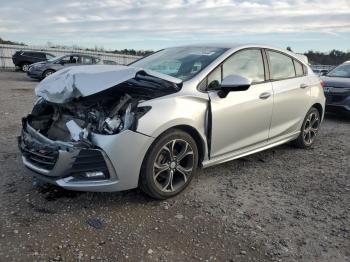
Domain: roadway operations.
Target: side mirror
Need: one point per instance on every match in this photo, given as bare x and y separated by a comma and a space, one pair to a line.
324, 72
233, 83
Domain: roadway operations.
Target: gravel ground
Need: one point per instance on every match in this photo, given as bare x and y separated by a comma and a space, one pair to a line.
283, 204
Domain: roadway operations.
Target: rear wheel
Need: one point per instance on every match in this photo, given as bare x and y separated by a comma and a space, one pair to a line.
169, 165
47, 73
309, 129
25, 67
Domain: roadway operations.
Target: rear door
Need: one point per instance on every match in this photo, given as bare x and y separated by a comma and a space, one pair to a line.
31, 57
242, 119
40, 57
291, 94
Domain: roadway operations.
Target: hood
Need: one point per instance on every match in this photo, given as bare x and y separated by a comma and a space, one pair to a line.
82, 81
341, 82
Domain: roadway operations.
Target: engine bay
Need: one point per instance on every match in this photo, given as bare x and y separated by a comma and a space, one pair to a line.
108, 112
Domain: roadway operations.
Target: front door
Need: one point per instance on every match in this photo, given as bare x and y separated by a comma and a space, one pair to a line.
241, 119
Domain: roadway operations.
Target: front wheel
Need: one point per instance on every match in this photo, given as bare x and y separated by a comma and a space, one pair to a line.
309, 129
47, 73
169, 165
25, 67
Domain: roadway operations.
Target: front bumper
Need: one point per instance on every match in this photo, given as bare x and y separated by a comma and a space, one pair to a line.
118, 156
338, 100
35, 73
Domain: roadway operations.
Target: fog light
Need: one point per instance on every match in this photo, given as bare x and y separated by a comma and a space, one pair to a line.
94, 174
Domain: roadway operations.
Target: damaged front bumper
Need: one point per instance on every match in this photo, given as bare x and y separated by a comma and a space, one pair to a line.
109, 163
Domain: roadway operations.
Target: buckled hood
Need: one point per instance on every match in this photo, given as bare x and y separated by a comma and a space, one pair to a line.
82, 81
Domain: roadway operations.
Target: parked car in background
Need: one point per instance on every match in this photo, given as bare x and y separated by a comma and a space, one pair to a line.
109, 62
22, 59
320, 72
41, 70
337, 89
153, 123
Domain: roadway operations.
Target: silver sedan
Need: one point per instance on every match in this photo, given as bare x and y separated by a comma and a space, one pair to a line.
153, 123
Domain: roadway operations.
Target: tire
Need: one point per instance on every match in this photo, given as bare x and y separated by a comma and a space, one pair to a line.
48, 72
25, 67
309, 129
165, 172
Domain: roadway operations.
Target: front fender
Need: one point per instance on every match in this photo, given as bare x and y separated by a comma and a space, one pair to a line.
171, 111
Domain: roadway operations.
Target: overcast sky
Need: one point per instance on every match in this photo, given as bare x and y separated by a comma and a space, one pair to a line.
302, 24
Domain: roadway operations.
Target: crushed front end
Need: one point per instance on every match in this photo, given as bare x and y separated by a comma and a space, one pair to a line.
91, 143
67, 161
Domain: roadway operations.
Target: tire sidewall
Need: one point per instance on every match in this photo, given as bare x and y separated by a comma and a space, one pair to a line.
147, 167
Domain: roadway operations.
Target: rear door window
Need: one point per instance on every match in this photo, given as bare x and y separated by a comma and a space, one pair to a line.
31, 54
40, 55
282, 66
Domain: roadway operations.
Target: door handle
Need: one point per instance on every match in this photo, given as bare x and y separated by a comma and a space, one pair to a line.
303, 86
265, 95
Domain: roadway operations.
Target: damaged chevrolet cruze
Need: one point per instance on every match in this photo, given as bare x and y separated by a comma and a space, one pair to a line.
153, 123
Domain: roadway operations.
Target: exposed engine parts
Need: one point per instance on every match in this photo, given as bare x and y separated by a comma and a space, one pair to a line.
74, 122
107, 112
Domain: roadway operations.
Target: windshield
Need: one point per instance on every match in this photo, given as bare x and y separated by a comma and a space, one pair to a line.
180, 62
55, 58
340, 71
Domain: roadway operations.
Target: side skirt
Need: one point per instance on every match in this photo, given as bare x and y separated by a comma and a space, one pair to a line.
239, 154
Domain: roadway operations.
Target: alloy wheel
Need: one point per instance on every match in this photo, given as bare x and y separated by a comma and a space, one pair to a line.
311, 127
173, 165
25, 67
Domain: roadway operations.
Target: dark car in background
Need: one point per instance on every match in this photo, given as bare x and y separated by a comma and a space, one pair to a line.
22, 59
41, 70
320, 72
337, 89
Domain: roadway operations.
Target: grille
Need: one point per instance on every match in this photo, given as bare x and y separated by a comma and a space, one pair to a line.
89, 160
42, 157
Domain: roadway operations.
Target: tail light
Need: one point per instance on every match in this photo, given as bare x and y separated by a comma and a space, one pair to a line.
322, 84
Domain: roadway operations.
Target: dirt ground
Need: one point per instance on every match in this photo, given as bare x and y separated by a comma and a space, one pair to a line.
284, 204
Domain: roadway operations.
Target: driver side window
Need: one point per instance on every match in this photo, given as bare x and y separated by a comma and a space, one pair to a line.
70, 60
248, 63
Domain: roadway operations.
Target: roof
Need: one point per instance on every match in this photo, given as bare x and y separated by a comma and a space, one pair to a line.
235, 46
